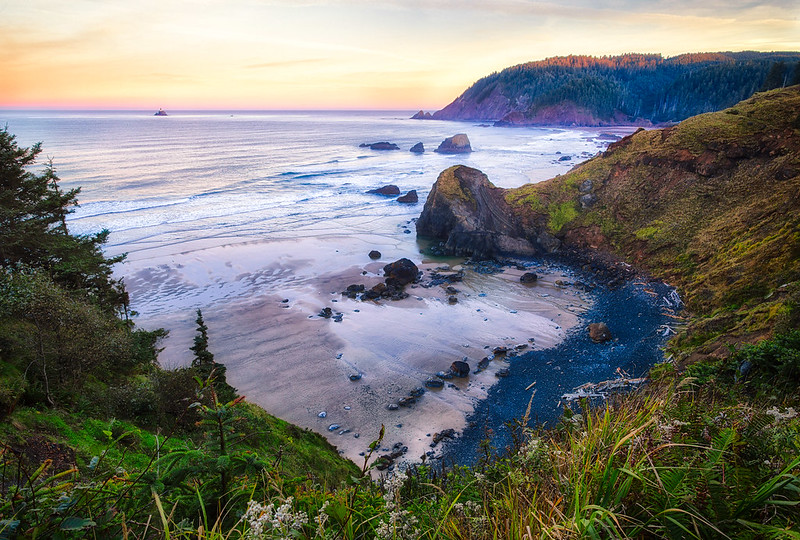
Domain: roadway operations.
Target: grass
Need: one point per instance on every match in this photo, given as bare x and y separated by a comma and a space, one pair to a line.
561, 214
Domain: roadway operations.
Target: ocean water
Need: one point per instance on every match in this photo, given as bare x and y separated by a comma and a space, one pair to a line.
261, 219
164, 181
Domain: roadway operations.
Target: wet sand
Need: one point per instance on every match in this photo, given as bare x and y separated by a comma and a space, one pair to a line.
261, 302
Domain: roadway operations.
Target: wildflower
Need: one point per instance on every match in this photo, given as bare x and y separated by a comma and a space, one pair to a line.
267, 519
400, 524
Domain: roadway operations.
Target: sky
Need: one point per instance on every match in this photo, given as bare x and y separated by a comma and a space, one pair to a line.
337, 54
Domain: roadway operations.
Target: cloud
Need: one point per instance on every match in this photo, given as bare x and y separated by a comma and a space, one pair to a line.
286, 63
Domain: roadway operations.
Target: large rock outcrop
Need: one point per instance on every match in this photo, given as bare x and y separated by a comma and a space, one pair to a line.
471, 215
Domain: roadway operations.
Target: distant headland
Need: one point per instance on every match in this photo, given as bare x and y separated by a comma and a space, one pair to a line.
630, 89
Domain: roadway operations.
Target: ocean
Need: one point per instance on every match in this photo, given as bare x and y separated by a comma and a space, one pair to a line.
155, 181
261, 219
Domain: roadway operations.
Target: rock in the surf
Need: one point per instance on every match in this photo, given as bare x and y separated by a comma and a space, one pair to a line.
457, 144
411, 197
389, 190
383, 145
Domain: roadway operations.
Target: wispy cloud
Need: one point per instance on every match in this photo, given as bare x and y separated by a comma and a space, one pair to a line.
287, 63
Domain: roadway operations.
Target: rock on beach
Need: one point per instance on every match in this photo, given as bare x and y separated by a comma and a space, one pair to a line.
599, 332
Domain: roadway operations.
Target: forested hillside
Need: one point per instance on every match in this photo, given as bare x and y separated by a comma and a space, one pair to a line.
631, 88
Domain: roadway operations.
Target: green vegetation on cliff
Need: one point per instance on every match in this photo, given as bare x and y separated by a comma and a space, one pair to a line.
710, 205
586, 90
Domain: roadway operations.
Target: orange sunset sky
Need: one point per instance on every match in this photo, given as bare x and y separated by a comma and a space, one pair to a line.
349, 54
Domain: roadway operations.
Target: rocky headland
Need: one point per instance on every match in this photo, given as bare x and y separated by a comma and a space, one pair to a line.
632, 89
710, 205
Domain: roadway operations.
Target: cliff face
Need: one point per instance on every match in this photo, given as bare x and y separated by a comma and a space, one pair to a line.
712, 205
635, 89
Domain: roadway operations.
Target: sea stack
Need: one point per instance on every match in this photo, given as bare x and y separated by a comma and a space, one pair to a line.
457, 144
161, 112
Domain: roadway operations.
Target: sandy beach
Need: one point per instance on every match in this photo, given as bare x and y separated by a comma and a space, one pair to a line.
261, 301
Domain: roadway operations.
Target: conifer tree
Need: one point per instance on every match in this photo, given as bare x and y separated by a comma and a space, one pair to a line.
775, 77
795, 75
205, 365
33, 229
203, 359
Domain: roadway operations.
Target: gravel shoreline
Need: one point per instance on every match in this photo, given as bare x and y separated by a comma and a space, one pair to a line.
635, 313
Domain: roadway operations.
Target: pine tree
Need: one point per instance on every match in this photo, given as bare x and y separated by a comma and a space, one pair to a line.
203, 359
205, 365
775, 77
34, 233
796, 75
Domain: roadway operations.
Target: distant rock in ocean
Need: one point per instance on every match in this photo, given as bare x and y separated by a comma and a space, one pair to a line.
418, 148
457, 144
422, 115
390, 190
410, 197
161, 112
380, 146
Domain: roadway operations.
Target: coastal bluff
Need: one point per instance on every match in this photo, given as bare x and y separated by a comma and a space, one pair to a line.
712, 205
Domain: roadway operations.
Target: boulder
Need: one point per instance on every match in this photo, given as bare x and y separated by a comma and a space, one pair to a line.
391, 190
418, 148
374, 254
473, 217
459, 368
528, 277
448, 433
587, 200
400, 273
457, 144
380, 146
406, 401
410, 197
599, 332
356, 287
433, 382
